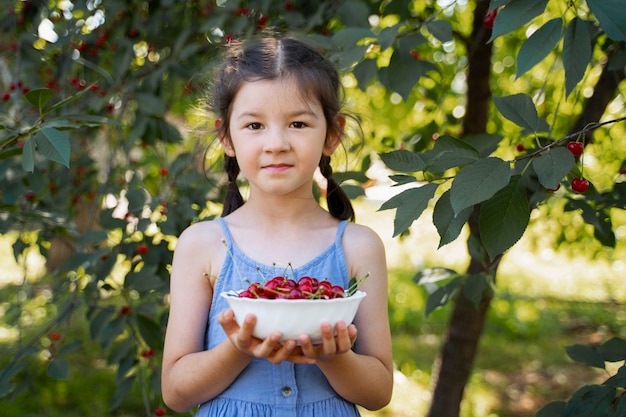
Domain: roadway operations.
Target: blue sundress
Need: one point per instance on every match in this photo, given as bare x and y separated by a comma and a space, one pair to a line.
264, 389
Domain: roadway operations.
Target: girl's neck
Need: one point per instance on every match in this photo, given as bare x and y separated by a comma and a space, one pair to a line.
284, 210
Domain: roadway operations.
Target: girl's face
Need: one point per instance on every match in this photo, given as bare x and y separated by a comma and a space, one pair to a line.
278, 137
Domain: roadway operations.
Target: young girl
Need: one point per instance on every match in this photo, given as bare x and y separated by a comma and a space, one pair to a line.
278, 107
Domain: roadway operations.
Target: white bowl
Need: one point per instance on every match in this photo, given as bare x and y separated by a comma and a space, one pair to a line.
293, 317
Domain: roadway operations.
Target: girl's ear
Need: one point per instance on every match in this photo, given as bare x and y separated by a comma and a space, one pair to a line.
333, 139
224, 140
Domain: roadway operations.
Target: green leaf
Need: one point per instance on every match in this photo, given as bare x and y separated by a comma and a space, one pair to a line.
516, 14
478, 182
122, 389
612, 17
552, 166
586, 355
70, 347
440, 29
618, 380
387, 36
349, 37
402, 179
59, 369
620, 406
448, 225
591, 401
576, 53
54, 145
613, 350
28, 156
518, 108
538, 45
365, 71
498, 3
442, 295
433, 275
137, 198
143, 280
39, 97
504, 217
409, 205
404, 72
98, 321
150, 104
484, 143
150, 331
599, 219
403, 161
353, 13
553, 409
449, 152
475, 286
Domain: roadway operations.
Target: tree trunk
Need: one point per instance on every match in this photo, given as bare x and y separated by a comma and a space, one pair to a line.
453, 368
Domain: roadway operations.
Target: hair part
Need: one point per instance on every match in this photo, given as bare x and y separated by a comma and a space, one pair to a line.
273, 58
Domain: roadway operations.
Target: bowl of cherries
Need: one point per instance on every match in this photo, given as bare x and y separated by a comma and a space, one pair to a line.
295, 307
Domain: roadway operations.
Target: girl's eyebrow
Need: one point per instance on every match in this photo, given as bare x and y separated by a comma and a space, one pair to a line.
295, 113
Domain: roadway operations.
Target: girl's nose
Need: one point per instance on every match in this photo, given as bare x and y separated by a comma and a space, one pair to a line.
276, 141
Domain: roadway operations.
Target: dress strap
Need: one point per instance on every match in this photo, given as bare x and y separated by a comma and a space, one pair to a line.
340, 230
227, 236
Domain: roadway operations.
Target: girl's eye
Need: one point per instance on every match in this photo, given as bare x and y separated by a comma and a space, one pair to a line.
298, 125
254, 126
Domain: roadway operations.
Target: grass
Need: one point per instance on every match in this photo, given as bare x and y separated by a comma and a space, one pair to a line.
545, 300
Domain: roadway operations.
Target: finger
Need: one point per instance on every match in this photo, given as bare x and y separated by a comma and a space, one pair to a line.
244, 335
227, 320
268, 347
282, 352
343, 343
307, 347
353, 333
328, 339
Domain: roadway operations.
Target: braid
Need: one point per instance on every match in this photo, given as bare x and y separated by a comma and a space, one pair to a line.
233, 199
339, 203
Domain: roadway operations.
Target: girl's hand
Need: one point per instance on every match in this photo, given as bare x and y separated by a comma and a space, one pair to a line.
331, 345
270, 348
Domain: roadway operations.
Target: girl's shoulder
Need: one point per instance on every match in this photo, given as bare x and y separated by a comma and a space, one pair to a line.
358, 237
206, 233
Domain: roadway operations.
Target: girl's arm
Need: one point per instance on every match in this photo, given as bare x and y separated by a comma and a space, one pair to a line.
190, 374
364, 375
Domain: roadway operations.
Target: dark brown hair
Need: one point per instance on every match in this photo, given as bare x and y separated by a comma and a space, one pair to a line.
272, 58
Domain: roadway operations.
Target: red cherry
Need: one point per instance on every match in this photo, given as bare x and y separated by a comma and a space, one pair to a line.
164, 171
415, 54
490, 18
55, 336
580, 185
6, 96
337, 291
295, 294
125, 311
576, 148
520, 147
256, 289
142, 249
246, 294
159, 411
